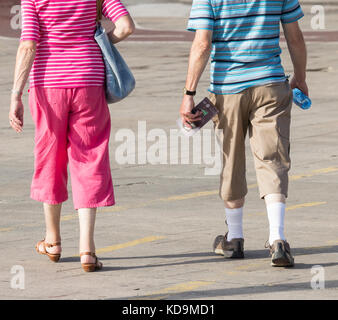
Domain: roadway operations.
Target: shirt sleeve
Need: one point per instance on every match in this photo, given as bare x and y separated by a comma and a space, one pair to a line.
30, 21
291, 11
201, 15
113, 10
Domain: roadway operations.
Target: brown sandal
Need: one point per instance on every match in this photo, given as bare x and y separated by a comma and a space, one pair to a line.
52, 256
90, 267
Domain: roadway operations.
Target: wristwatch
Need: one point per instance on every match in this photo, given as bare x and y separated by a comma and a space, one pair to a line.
189, 93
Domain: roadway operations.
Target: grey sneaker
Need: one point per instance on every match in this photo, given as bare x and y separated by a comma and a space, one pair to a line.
229, 249
281, 254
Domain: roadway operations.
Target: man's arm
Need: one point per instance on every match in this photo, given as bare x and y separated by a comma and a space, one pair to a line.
199, 56
297, 48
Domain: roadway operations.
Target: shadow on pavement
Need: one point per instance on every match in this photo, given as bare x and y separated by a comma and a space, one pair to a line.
249, 254
255, 289
211, 257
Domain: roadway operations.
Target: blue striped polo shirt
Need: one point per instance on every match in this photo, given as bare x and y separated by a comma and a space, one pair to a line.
245, 50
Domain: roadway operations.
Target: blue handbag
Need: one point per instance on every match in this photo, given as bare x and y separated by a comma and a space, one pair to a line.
120, 81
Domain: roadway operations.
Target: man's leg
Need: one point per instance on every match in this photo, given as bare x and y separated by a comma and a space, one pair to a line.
275, 206
270, 143
232, 244
231, 126
234, 218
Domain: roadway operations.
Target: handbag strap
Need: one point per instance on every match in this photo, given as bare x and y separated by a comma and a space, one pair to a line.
99, 10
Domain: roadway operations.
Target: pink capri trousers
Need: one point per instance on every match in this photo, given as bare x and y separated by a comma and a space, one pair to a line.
71, 125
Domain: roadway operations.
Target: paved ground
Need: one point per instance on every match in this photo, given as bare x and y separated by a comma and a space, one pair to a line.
155, 244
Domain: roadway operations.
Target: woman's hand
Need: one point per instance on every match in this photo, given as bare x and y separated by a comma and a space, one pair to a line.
16, 112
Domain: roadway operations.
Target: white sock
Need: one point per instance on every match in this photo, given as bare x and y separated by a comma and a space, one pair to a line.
234, 219
276, 213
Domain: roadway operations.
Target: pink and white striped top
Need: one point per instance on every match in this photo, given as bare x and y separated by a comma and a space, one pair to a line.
67, 55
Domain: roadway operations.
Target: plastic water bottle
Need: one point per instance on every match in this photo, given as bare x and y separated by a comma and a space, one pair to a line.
301, 99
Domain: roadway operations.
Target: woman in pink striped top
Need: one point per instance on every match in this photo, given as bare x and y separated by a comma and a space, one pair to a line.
68, 107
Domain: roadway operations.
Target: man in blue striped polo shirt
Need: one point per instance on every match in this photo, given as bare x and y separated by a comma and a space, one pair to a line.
252, 93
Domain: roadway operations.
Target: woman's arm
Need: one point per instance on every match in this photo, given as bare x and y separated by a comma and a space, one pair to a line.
24, 61
124, 27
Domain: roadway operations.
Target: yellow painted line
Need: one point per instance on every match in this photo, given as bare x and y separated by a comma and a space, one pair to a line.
189, 196
185, 287
305, 205
231, 273
297, 206
332, 242
196, 195
68, 217
245, 267
314, 173
129, 244
127, 207
178, 288
6, 229
252, 186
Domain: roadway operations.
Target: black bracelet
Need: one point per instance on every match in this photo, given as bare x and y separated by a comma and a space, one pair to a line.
189, 93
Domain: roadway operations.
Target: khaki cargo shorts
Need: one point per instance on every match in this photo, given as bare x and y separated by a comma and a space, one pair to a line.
266, 112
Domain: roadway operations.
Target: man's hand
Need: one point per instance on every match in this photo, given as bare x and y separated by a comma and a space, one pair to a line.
301, 85
187, 105
16, 112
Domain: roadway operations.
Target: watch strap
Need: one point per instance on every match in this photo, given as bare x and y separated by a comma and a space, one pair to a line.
188, 92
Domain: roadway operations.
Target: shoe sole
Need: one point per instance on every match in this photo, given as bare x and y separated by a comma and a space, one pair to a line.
90, 267
53, 257
281, 259
216, 243
219, 252
232, 254
282, 263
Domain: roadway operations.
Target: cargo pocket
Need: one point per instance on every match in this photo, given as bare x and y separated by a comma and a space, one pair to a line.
264, 143
283, 129
284, 150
